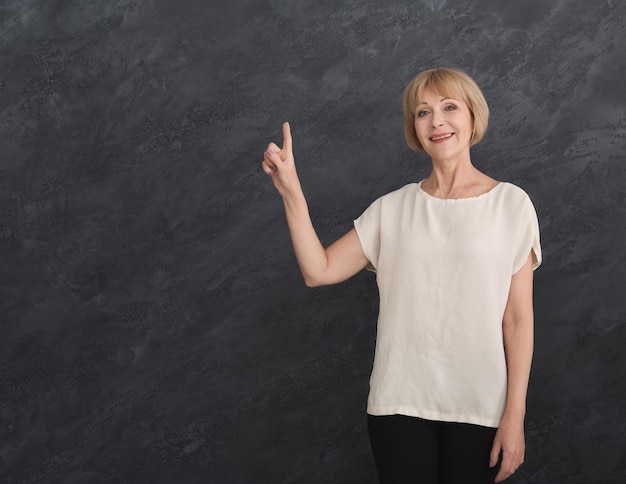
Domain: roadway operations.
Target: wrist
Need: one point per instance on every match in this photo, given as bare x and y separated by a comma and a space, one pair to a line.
513, 416
293, 198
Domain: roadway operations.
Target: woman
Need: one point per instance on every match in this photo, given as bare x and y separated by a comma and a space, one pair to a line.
454, 257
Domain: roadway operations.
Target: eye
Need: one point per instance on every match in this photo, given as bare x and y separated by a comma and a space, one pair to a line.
422, 113
450, 107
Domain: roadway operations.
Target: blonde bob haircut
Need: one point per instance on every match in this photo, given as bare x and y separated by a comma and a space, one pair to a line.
446, 82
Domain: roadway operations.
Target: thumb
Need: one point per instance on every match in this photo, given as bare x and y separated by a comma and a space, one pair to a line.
494, 456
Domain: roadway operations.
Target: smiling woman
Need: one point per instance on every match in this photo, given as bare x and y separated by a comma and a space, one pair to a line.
451, 84
444, 126
454, 256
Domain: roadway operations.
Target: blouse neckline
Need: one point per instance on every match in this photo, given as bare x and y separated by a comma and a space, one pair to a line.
476, 197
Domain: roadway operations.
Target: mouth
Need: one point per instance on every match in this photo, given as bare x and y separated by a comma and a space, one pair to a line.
441, 137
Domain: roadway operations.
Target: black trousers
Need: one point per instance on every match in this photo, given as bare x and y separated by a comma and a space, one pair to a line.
411, 450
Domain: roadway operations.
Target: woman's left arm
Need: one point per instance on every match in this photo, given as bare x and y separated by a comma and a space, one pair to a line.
517, 327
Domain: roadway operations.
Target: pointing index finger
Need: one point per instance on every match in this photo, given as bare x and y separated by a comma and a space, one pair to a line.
287, 144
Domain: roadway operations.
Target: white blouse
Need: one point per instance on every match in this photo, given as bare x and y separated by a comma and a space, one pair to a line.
444, 268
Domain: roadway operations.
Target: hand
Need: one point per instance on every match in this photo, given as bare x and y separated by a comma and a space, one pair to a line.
279, 164
509, 440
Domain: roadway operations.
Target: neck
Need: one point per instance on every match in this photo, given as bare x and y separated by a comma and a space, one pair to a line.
457, 180
450, 175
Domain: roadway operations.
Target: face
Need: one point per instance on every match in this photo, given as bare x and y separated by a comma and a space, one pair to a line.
443, 125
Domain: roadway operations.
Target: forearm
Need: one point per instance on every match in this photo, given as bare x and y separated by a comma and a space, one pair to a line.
518, 346
310, 252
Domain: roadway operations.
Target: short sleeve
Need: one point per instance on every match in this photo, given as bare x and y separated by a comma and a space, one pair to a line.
528, 237
368, 230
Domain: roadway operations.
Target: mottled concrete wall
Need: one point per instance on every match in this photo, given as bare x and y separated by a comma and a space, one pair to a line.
154, 326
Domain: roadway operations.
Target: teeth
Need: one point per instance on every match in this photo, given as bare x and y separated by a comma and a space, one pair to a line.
441, 137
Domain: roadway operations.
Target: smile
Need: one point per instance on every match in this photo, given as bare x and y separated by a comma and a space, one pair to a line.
441, 137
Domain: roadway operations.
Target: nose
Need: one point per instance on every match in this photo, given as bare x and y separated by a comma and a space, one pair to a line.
436, 119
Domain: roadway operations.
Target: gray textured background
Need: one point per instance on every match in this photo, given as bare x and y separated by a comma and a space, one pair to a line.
154, 326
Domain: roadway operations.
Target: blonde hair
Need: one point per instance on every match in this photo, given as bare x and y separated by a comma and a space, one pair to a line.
447, 82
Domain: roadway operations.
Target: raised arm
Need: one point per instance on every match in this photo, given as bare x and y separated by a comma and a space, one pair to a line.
518, 330
319, 266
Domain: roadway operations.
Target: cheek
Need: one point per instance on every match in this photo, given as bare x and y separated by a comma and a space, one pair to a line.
470, 123
419, 128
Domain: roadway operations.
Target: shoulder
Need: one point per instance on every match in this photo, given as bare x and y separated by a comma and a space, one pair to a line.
516, 201
401, 194
392, 201
510, 192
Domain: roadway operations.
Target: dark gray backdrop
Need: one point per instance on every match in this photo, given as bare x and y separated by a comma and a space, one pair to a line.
154, 325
